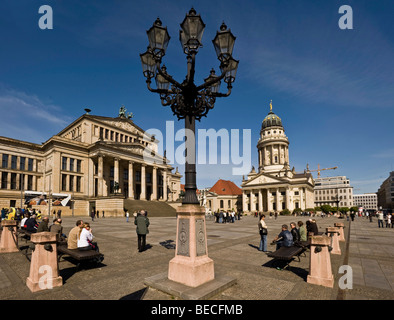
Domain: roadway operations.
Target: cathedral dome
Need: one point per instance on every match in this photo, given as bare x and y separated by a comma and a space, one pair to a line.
271, 120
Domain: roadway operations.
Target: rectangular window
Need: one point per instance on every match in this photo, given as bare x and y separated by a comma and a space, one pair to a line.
13, 181
138, 176
148, 177
64, 163
79, 162
29, 182
71, 187
64, 182
111, 172
13, 162
4, 180
125, 174
30, 165
5, 161
22, 163
71, 164
78, 184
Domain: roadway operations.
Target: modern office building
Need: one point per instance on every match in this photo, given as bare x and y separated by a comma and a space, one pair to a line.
368, 201
333, 191
386, 193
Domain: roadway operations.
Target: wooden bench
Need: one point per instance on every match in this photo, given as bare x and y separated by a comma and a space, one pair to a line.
79, 255
287, 254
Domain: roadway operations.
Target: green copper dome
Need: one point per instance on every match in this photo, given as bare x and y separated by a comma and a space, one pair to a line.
271, 120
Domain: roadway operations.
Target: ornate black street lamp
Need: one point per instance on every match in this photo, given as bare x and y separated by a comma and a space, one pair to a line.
187, 100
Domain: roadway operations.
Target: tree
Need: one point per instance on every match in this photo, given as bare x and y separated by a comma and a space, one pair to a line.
326, 208
285, 212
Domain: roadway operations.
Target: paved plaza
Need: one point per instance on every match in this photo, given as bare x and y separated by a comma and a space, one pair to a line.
234, 249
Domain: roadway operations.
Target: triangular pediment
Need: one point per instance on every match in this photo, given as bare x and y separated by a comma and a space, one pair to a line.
126, 125
263, 179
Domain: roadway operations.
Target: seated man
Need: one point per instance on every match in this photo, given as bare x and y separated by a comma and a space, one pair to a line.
31, 224
43, 226
72, 240
284, 239
57, 228
294, 232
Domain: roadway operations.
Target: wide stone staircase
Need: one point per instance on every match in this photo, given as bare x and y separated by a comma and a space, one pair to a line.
154, 208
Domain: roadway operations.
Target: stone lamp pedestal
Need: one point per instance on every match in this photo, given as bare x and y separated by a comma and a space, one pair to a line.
320, 271
333, 232
44, 273
191, 274
9, 238
191, 265
341, 227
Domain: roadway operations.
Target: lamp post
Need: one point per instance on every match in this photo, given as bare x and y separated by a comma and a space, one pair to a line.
189, 102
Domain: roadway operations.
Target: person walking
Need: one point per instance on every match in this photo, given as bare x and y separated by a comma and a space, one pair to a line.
380, 218
388, 222
142, 223
263, 230
127, 216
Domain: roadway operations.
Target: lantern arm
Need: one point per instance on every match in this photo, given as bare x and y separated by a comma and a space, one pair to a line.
213, 81
160, 91
167, 76
221, 95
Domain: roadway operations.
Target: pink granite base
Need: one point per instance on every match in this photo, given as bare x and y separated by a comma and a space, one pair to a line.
44, 273
320, 272
191, 265
9, 239
191, 273
341, 227
333, 231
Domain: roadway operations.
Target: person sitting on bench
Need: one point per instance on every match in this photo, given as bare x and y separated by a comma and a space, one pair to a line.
85, 241
294, 232
31, 224
284, 239
72, 240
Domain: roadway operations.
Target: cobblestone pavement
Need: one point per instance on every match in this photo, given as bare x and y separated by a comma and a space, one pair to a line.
234, 249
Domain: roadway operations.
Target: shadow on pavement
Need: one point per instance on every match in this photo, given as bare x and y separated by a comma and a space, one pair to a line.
138, 295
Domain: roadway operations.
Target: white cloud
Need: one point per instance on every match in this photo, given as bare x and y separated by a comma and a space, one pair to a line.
27, 117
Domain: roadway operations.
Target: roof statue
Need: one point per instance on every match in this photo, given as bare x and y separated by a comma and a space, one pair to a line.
271, 106
122, 113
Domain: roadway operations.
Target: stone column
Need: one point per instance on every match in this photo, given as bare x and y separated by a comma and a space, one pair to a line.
9, 238
244, 202
154, 183
269, 201
287, 199
320, 272
261, 200
131, 180
165, 185
302, 206
116, 173
44, 271
191, 265
252, 201
100, 179
143, 182
278, 207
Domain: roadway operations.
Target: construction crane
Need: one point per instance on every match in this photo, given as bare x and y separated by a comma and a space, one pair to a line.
319, 169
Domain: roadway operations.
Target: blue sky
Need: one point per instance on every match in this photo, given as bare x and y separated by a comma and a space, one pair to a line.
333, 88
